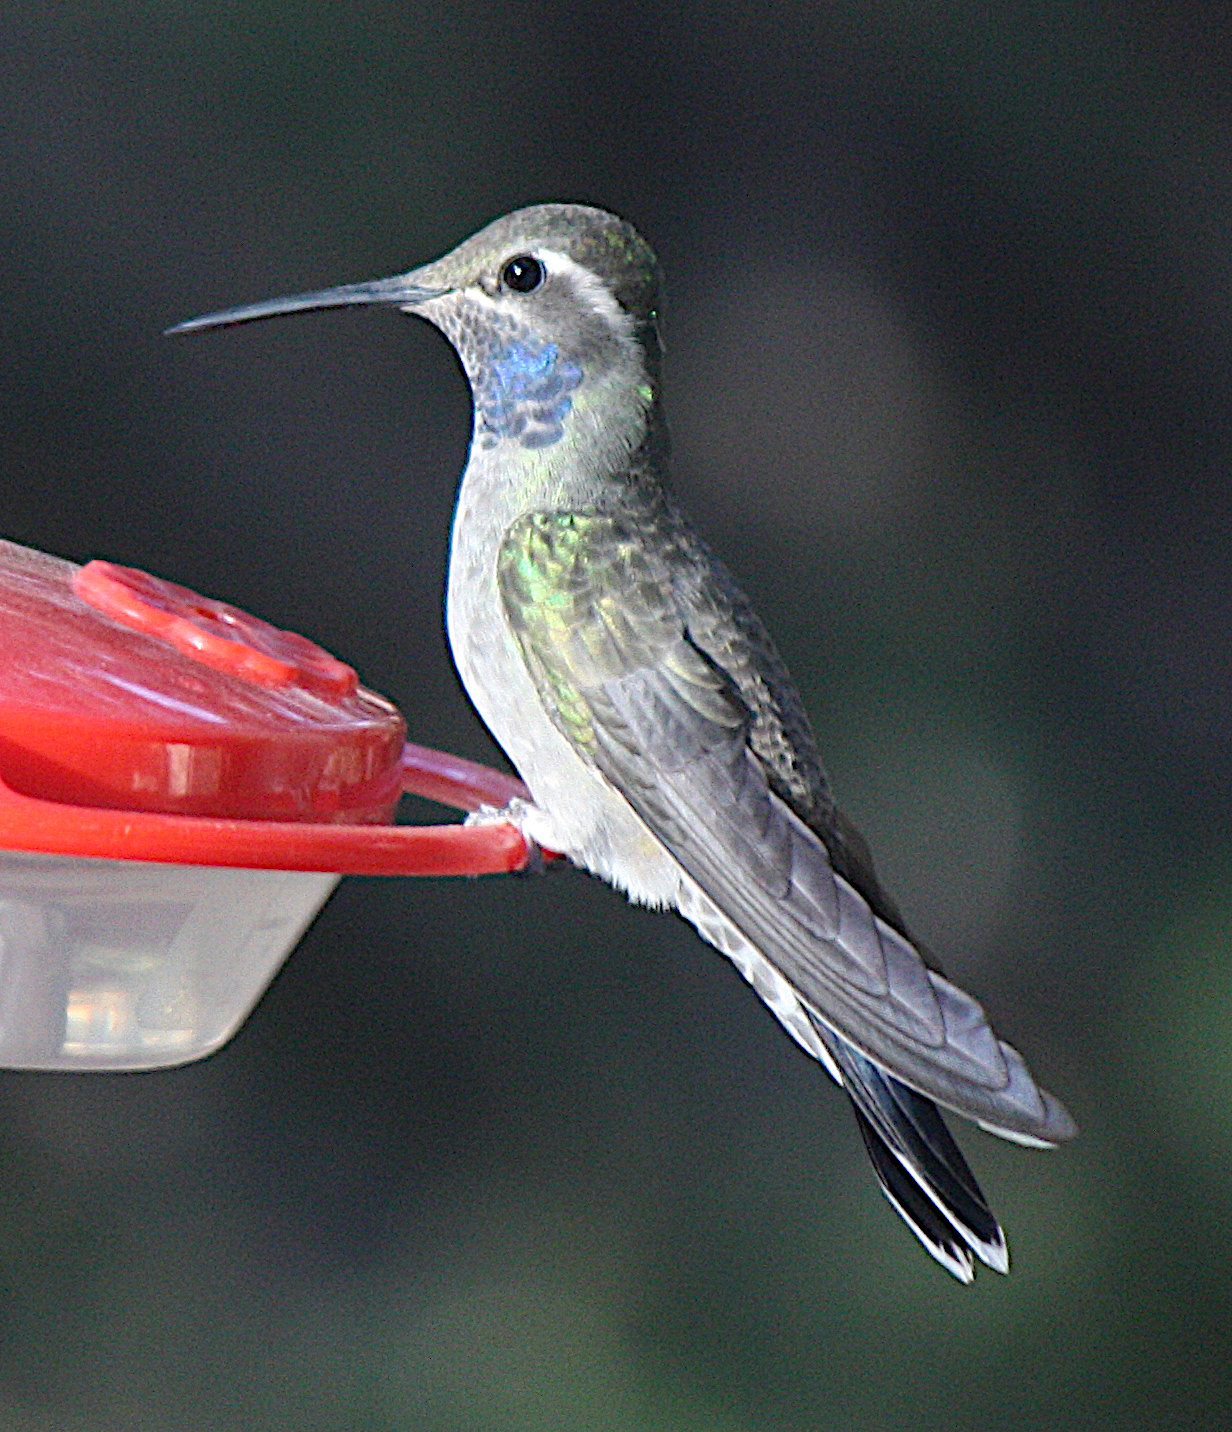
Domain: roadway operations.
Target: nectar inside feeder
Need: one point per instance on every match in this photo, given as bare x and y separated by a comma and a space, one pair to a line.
181, 787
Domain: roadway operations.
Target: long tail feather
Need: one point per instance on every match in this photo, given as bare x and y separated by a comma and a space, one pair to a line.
918, 1165
920, 1168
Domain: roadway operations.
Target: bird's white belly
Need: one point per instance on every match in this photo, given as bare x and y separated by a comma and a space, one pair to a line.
577, 811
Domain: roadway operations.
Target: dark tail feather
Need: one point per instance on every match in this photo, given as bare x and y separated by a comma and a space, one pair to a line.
920, 1168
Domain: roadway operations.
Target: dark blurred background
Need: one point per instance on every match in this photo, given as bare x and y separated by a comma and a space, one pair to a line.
949, 328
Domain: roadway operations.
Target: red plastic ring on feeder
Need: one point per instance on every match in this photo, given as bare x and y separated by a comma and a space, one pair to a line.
181, 785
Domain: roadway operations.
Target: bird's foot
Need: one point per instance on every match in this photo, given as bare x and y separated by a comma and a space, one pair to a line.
527, 819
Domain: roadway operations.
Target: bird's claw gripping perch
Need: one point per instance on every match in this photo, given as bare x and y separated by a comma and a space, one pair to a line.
518, 813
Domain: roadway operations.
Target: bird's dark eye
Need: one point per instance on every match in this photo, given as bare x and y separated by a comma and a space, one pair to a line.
523, 274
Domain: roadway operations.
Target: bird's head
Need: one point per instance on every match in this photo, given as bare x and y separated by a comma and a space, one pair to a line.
553, 310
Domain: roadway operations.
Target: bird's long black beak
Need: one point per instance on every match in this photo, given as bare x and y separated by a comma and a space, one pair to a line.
401, 291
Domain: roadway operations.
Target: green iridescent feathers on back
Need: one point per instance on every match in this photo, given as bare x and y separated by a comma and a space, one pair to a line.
594, 594
590, 602
626, 584
600, 615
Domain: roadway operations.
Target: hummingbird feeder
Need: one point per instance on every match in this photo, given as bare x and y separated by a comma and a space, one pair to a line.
181, 787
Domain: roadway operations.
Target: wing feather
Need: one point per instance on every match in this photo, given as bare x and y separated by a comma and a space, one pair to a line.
603, 634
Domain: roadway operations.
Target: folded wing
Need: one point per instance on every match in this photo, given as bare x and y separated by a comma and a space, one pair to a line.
604, 637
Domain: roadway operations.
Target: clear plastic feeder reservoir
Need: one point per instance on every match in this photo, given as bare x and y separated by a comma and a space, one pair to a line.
181, 786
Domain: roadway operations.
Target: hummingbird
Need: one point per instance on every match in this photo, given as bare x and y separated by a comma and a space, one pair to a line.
643, 703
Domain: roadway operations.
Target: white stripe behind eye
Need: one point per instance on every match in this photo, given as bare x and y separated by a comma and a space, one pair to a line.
589, 286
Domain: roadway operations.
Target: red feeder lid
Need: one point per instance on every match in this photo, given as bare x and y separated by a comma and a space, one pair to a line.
139, 720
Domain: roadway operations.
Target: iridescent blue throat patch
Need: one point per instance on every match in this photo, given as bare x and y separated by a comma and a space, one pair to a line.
524, 394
